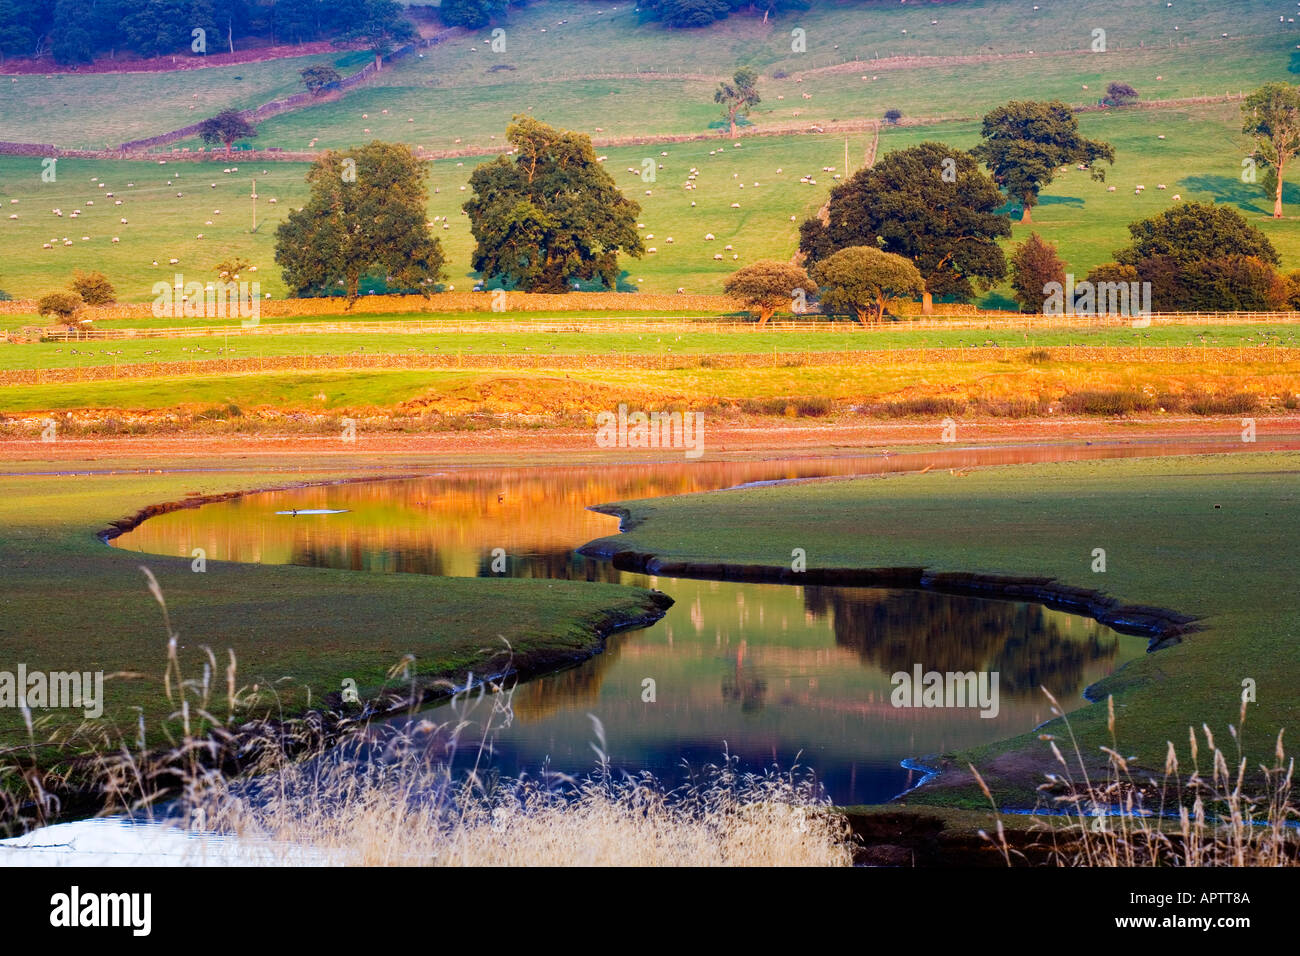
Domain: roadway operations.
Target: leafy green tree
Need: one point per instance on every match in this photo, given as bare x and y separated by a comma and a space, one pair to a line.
686, 13
316, 78
381, 27
767, 285
366, 214
25, 22
550, 214
93, 287
1033, 265
473, 14
298, 20
73, 42
865, 280
226, 127
1193, 232
155, 27
1025, 143
1120, 94
1272, 118
1194, 255
931, 204
739, 96
893, 115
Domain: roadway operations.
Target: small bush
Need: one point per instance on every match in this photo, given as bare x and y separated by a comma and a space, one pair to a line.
1234, 403
220, 413
1038, 356
1123, 401
928, 406
1013, 407
813, 407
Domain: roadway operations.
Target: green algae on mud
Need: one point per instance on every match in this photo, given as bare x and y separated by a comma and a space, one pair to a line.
1202, 537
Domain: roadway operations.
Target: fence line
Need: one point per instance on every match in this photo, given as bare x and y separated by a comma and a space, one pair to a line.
1265, 354
667, 325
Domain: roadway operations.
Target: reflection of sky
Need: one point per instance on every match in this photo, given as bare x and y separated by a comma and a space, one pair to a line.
771, 673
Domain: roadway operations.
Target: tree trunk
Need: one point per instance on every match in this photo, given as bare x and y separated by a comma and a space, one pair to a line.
354, 284
862, 317
927, 303
1277, 197
731, 118
763, 315
1025, 217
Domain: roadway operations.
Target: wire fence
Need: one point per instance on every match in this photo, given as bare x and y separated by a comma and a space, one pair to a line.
666, 325
1260, 356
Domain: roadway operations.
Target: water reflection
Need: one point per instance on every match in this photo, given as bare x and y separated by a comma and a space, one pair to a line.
772, 673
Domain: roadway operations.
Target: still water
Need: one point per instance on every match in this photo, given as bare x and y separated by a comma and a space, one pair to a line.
772, 674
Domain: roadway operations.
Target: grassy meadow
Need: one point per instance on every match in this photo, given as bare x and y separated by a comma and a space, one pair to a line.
1199, 159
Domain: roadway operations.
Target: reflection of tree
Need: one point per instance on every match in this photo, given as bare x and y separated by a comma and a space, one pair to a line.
357, 555
577, 688
893, 630
743, 686
555, 564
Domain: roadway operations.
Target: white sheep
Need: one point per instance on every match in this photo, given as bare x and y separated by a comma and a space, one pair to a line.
708, 237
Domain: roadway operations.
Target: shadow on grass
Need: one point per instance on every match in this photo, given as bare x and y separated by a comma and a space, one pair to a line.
1248, 197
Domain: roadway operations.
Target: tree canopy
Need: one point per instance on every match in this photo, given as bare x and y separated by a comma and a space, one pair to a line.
929, 203
365, 215
226, 127
550, 214
864, 280
316, 78
768, 284
1204, 257
1025, 143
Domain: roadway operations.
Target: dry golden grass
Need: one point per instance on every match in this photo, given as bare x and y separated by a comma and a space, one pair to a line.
1127, 818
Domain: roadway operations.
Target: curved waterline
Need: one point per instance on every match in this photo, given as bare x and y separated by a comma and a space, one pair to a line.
828, 610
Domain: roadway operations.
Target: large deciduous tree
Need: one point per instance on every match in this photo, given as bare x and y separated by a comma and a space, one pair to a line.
865, 280
1026, 142
739, 96
929, 203
1204, 257
366, 215
1272, 118
550, 214
226, 127
767, 285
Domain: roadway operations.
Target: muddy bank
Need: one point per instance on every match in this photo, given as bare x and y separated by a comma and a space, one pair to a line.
1161, 626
